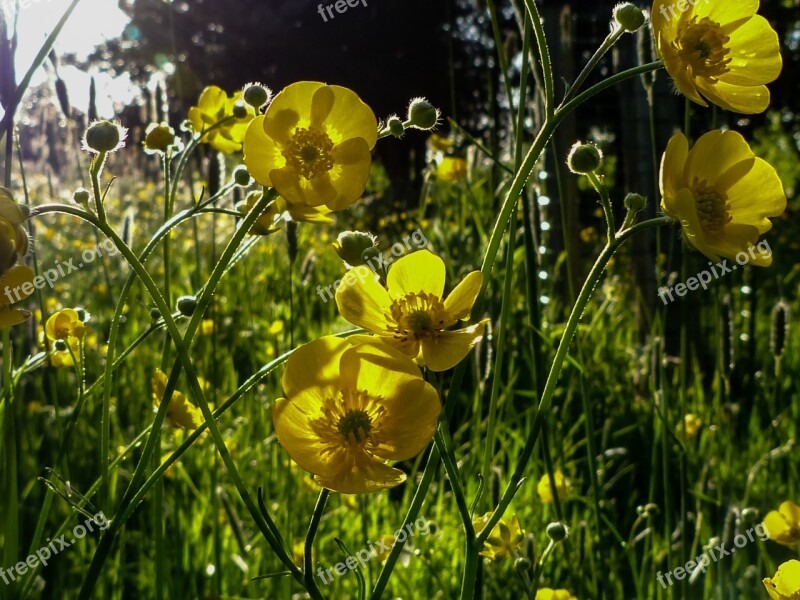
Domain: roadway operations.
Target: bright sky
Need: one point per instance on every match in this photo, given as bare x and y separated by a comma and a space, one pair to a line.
91, 23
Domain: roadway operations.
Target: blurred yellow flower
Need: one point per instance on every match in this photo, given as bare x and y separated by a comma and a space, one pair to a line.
718, 51
551, 594
181, 413
213, 106
451, 169
783, 524
62, 359
721, 193
439, 143
64, 324
206, 327
410, 313
351, 405
785, 585
545, 491
313, 145
692, 424
16, 284
506, 538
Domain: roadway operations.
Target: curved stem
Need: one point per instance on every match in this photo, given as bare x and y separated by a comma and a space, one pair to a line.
607, 44
308, 561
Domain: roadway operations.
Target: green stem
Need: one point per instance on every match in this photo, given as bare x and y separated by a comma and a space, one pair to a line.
607, 44
605, 200
308, 560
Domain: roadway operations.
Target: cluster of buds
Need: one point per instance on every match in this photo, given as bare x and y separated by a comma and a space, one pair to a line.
15, 279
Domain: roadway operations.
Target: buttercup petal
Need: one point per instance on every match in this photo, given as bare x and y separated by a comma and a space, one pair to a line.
419, 272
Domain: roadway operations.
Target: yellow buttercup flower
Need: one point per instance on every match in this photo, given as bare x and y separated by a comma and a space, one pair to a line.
16, 284
718, 51
545, 491
181, 413
269, 221
313, 145
351, 405
63, 325
13, 237
65, 358
551, 594
410, 314
213, 106
783, 524
451, 169
722, 194
785, 585
506, 538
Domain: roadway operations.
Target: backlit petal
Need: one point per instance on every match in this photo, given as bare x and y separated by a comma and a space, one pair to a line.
458, 304
448, 348
315, 364
362, 300
420, 271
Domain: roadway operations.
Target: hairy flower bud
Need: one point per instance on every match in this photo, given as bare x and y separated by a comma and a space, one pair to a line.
584, 158
422, 114
352, 245
628, 16
104, 136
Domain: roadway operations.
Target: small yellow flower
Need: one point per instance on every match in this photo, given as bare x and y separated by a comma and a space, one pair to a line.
692, 424
785, 585
213, 106
63, 325
313, 145
410, 314
16, 284
506, 538
13, 237
783, 524
546, 492
451, 169
551, 594
181, 413
206, 327
722, 194
276, 327
351, 405
718, 51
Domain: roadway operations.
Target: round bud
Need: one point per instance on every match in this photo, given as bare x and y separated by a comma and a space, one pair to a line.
749, 515
60, 345
351, 245
241, 176
629, 16
584, 158
159, 137
522, 564
396, 127
370, 254
256, 95
239, 110
651, 510
104, 136
186, 305
81, 196
557, 532
635, 202
422, 114
83, 316
155, 313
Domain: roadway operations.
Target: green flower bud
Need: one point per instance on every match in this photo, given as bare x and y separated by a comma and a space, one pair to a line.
629, 17
749, 516
104, 136
256, 95
155, 314
186, 305
522, 565
584, 158
557, 532
81, 196
635, 202
351, 246
395, 126
422, 114
239, 110
60, 345
241, 176
83, 316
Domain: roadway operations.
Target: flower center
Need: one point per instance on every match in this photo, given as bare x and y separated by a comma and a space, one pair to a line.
418, 315
309, 152
712, 206
701, 45
355, 426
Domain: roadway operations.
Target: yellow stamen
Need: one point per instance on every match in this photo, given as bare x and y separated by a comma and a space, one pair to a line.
702, 45
712, 206
418, 315
309, 152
